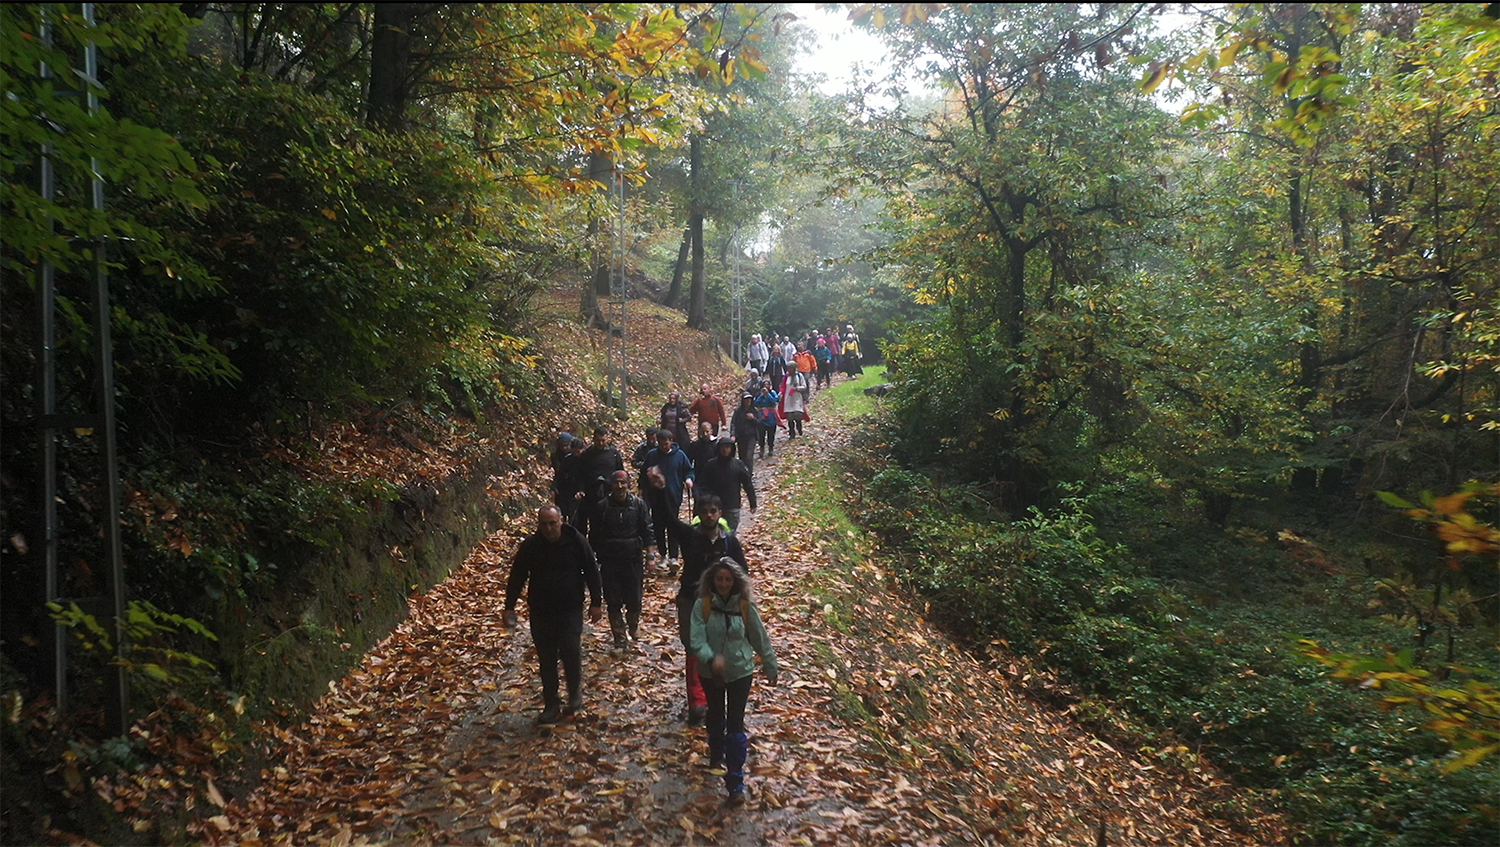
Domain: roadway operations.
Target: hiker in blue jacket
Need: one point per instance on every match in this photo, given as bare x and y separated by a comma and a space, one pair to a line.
665, 476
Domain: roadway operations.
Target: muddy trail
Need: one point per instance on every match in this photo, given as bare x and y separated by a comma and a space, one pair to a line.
432, 739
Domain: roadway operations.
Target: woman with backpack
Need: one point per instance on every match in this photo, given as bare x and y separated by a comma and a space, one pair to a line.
726, 636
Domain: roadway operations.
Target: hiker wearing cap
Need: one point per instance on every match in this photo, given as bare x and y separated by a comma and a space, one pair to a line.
744, 428
619, 529
824, 357
726, 634
765, 409
555, 565
725, 476
709, 409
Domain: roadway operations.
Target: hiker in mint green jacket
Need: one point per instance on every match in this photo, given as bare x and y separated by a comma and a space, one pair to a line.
726, 635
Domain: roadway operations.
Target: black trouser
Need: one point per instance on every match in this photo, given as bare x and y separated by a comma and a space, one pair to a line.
726, 703
825, 373
793, 424
768, 437
558, 637
622, 574
745, 444
668, 542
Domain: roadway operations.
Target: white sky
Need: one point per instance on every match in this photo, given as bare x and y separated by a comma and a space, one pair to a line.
840, 46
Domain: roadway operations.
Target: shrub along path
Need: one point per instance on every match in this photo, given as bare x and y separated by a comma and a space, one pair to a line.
880, 730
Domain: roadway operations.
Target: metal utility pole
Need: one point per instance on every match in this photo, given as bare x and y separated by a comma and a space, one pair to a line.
100, 423
737, 304
619, 292
737, 295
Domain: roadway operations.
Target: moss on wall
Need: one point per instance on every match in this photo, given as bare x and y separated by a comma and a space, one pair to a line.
332, 604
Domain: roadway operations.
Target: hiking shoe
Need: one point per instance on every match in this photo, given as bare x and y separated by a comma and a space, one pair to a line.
549, 715
575, 705
735, 798
695, 715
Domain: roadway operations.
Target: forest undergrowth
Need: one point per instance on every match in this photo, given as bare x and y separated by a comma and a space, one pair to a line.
1183, 641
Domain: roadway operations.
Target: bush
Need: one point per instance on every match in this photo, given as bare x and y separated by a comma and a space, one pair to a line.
1226, 679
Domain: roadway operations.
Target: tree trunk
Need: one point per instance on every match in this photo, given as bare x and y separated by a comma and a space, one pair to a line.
601, 170
390, 65
697, 297
675, 292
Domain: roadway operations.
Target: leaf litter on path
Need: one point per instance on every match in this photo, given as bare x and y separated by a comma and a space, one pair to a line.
432, 739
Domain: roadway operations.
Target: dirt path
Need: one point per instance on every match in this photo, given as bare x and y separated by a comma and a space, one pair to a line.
432, 739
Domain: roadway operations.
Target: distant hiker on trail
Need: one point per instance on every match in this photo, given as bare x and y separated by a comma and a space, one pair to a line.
701, 449
555, 564
765, 409
594, 467
788, 349
824, 358
676, 417
567, 477
725, 476
851, 353
752, 384
794, 402
726, 635
804, 361
776, 371
757, 355
619, 530
744, 428
709, 409
638, 458
704, 541
667, 474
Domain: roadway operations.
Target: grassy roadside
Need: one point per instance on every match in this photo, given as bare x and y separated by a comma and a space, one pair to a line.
890, 706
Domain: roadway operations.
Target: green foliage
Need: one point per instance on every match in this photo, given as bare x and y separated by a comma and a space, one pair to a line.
51, 113
348, 258
150, 636
1224, 677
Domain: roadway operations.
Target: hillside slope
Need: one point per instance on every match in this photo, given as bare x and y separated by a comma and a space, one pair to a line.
881, 730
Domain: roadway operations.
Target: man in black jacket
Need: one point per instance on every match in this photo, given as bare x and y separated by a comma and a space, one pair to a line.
558, 564
704, 542
725, 476
619, 529
594, 468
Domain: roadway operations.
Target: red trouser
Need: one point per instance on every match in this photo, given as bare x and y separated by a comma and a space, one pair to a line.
686, 604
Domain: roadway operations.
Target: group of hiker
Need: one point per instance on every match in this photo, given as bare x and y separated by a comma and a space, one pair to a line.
782, 375
609, 524
605, 527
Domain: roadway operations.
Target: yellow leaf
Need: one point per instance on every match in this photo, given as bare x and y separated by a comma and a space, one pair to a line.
1155, 78
328, 213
